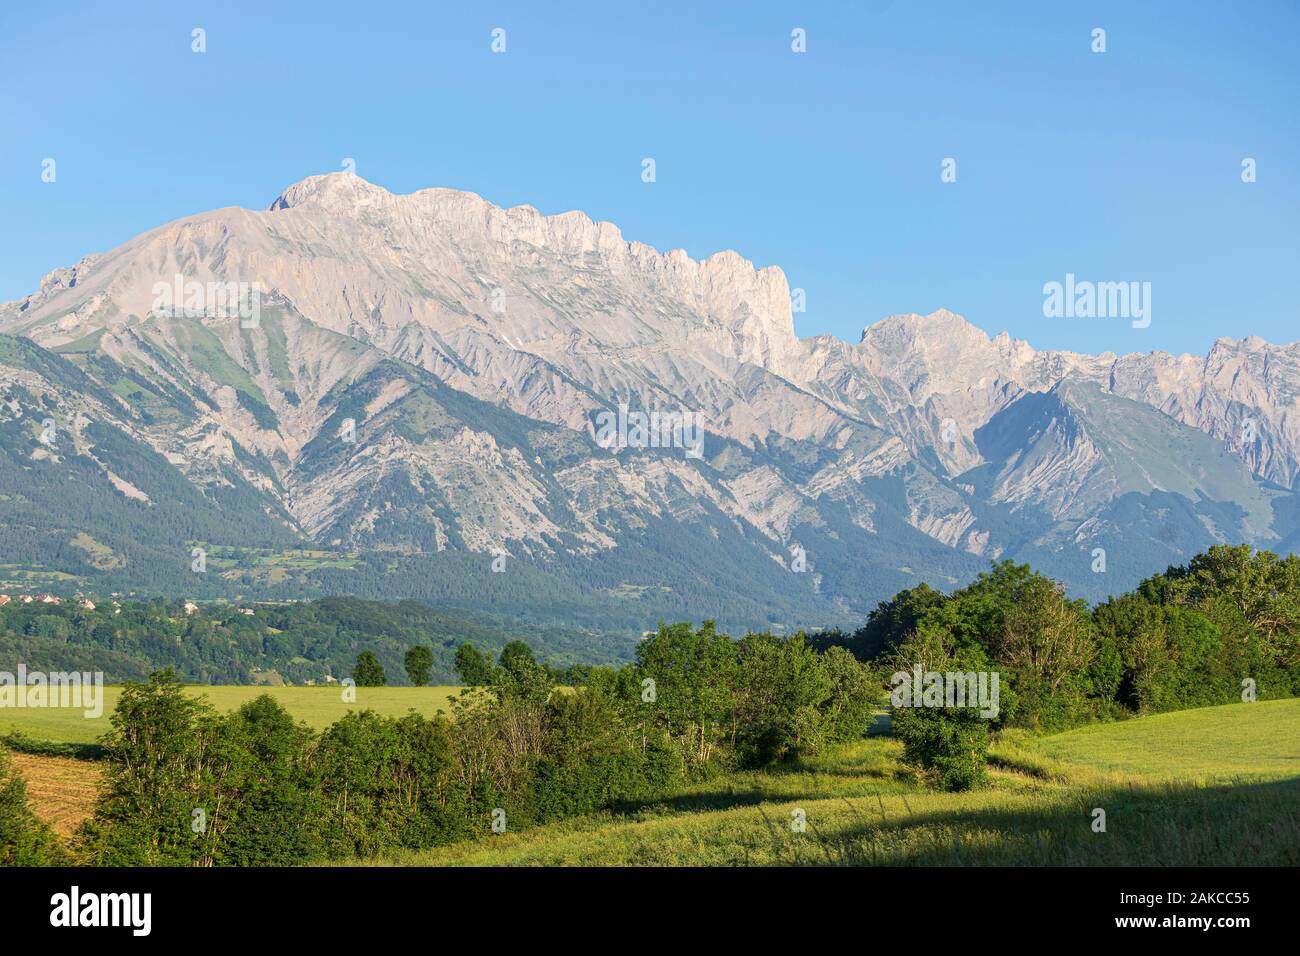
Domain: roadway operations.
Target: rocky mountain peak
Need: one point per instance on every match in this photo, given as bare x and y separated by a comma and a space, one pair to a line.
334, 192
910, 330
440, 233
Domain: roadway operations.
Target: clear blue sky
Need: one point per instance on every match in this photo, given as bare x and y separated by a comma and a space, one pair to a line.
1119, 166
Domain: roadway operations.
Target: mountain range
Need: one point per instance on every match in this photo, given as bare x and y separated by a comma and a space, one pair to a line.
413, 410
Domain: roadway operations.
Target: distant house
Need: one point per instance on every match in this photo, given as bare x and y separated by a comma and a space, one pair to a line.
329, 679
27, 599
4, 599
50, 599
246, 611
190, 607
86, 604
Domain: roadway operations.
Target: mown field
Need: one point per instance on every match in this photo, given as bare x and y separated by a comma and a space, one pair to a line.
61, 791
317, 706
1219, 786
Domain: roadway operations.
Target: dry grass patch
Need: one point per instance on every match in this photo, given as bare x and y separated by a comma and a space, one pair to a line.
60, 791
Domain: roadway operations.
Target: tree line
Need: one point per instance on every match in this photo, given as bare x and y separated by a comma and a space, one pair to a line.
219, 643
185, 785
1223, 628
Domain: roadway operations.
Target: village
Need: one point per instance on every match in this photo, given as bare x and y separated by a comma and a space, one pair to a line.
87, 604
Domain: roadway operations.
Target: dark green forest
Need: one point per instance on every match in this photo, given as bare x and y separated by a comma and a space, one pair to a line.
281, 643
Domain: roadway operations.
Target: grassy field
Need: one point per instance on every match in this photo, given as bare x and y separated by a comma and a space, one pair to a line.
271, 566
317, 706
1207, 787
1214, 743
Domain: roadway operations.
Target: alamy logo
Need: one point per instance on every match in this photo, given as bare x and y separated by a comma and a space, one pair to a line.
182, 298
656, 429
34, 689
1082, 299
74, 908
922, 688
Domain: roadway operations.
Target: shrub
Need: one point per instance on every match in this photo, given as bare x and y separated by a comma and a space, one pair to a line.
273, 811
949, 744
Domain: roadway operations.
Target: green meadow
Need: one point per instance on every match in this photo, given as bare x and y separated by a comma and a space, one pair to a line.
317, 706
1214, 786
1218, 786
1260, 739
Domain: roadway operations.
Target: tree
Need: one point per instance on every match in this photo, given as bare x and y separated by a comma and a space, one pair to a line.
514, 654
419, 665
270, 812
892, 621
693, 672
1048, 644
157, 755
474, 667
368, 671
948, 744
779, 687
1262, 587
851, 707
50, 626
519, 676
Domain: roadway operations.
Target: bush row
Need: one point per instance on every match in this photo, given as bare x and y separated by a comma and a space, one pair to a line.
188, 786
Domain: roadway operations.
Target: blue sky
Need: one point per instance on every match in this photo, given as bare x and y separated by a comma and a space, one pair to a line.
1117, 166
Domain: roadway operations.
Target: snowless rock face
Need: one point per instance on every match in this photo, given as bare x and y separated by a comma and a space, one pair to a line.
544, 284
556, 318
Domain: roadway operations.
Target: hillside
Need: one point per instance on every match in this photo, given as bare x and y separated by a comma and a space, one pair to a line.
417, 404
